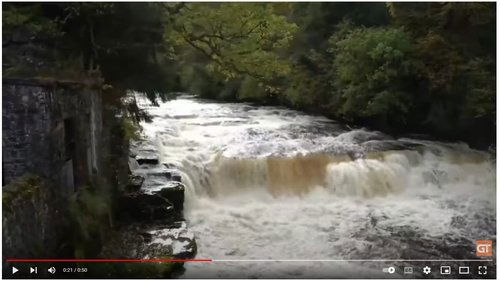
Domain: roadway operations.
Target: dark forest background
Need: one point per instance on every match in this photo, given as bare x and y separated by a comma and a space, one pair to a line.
426, 68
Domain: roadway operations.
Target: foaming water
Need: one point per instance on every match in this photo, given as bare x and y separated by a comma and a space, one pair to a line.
267, 183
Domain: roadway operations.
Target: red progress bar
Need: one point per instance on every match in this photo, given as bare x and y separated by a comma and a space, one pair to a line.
105, 260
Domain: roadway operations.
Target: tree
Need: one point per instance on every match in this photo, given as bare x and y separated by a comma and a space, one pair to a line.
125, 42
237, 38
119, 43
309, 83
448, 35
374, 69
28, 39
456, 44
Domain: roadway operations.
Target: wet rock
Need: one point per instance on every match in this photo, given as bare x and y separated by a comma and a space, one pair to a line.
147, 158
148, 237
132, 153
179, 242
155, 176
155, 172
173, 192
132, 164
176, 177
138, 241
151, 170
145, 207
169, 165
135, 183
144, 145
162, 181
145, 152
155, 228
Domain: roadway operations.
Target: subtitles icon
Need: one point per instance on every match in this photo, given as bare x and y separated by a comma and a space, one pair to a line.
408, 270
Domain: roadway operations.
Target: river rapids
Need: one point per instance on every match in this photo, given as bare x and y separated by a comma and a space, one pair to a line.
272, 192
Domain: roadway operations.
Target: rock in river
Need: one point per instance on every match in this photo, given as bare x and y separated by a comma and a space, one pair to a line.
173, 192
145, 207
144, 157
178, 241
156, 241
135, 183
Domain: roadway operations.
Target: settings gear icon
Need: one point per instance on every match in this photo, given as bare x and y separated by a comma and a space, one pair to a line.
427, 270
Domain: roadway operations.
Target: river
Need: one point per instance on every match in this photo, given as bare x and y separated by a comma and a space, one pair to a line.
300, 195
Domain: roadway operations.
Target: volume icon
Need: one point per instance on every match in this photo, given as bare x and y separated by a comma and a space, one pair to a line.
52, 270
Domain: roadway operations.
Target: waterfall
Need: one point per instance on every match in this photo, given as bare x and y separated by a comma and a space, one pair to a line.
273, 183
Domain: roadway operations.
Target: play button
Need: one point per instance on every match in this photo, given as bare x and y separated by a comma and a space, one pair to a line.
14, 270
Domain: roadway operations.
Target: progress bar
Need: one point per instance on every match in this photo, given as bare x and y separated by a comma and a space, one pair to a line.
245, 260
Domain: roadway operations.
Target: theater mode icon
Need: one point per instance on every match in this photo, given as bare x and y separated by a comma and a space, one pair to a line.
463, 270
484, 248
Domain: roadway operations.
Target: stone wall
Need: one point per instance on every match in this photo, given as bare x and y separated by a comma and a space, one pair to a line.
32, 223
51, 129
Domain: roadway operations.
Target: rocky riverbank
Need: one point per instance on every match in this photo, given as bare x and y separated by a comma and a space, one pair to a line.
152, 225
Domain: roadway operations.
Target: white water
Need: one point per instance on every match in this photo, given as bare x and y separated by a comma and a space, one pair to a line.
266, 183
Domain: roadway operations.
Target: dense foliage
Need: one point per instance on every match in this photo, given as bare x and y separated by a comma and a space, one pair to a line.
398, 67
119, 43
373, 71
